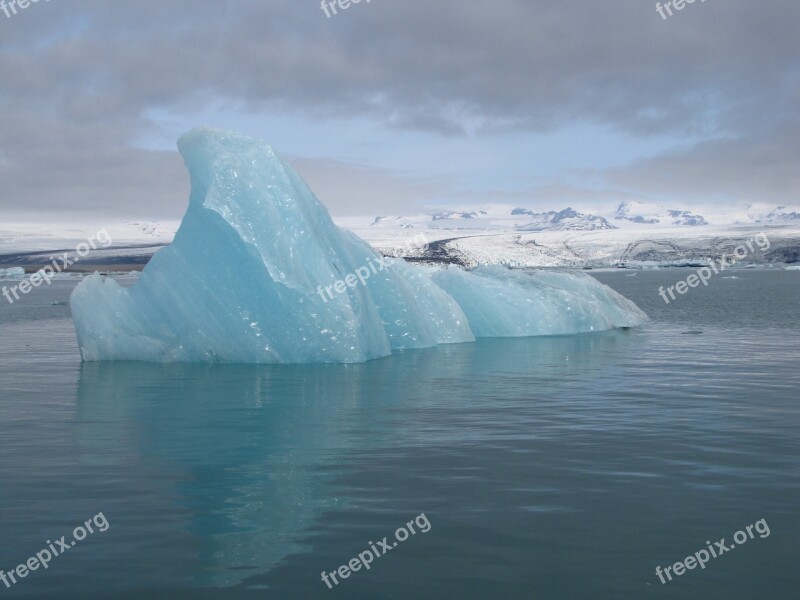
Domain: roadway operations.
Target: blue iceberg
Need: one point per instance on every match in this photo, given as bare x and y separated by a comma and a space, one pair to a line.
259, 273
501, 302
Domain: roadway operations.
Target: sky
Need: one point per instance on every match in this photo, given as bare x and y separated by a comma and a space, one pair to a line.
397, 106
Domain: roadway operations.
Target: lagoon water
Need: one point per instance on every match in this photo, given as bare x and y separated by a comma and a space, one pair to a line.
561, 467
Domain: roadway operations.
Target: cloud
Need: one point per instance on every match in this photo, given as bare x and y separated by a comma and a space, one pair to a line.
353, 190
748, 169
79, 79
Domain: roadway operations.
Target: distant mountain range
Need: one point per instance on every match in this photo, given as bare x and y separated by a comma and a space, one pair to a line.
654, 214
779, 215
568, 219
628, 214
630, 233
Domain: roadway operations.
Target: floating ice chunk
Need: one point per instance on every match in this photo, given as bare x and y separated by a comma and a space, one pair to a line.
257, 272
241, 281
12, 273
500, 302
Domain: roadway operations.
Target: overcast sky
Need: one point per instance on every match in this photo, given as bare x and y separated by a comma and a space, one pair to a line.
395, 105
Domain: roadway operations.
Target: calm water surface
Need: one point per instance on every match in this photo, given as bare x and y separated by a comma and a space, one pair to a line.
564, 467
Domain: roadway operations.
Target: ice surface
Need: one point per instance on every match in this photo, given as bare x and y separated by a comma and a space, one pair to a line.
500, 302
12, 273
251, 277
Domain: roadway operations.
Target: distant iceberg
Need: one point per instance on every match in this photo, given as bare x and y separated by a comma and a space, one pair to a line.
12, 273
259, 273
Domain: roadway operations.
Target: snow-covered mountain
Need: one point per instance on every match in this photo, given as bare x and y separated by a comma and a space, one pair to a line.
29, 237
568, 219
656, 214
634, 233
442, 216
627, 214
497, 217
779, 215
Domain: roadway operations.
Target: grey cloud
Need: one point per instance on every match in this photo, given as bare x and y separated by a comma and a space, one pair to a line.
424, 63
78, 79
355, 190
761, 168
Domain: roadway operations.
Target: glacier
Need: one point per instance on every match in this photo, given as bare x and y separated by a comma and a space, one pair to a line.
244, 281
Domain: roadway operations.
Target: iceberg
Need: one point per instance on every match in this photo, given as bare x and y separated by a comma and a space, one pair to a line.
501, 302
12, 273
259, 273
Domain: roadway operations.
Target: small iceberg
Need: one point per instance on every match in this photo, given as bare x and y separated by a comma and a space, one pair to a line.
259, 273
12, 273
